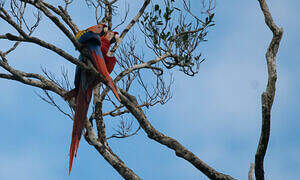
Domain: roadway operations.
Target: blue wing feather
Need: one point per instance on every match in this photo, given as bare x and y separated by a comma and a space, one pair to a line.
89, 36
92, 41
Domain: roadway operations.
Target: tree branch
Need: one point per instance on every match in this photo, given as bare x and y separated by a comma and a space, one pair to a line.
108, 155
147, 64
65, 16
267, 97
250, 173
28, 78
41, 6
131, 104
130, 25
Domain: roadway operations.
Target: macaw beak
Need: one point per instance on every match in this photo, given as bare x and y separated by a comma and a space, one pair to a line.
103, 32
117, 37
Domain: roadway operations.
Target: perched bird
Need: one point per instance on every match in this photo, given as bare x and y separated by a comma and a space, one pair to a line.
109, 38
85, 82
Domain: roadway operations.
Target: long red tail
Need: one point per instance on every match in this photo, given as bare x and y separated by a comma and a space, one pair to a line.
82, 105
101, 67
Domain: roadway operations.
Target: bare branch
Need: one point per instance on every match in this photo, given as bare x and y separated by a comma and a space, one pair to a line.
113, 113
45, 45
124, 130
130, 102
130, 25
18, 11
41, 6
124, 18
251, 171
108, 155
51, 101
64, 15
267, 97
32, 79
67, 4
131, 69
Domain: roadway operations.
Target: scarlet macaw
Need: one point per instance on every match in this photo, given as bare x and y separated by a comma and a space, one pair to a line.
85, 82
106, 40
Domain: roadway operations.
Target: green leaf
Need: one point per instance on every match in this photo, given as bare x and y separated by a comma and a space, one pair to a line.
185, 37
156, 7
211, 16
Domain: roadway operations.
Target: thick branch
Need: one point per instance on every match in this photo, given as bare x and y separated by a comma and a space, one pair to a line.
65, 16
44, 44
267, 96
98, 115
131, 104
29, 78
109, 156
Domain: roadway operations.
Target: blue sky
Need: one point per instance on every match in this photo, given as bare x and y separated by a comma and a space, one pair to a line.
215, 114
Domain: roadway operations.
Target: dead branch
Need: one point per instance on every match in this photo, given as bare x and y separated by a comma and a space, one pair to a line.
267, 97
108, 155
42, 7
131, 104
130, 25
251, 171
124, 130
62, 12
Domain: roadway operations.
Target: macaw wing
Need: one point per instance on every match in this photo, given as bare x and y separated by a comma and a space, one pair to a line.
85, 37
82, 77
99, 63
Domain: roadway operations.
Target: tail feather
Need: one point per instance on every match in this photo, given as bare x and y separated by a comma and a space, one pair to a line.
101, 67
82, 105
112, 87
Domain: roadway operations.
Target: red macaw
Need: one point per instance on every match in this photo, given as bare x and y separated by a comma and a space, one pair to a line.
85, 82
106, 40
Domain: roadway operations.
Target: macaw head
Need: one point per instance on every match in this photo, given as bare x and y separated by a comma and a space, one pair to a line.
100, 29
112, 36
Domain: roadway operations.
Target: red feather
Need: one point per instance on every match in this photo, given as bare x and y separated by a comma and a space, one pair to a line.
83, 97
101, 67
110, 62
82, 105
